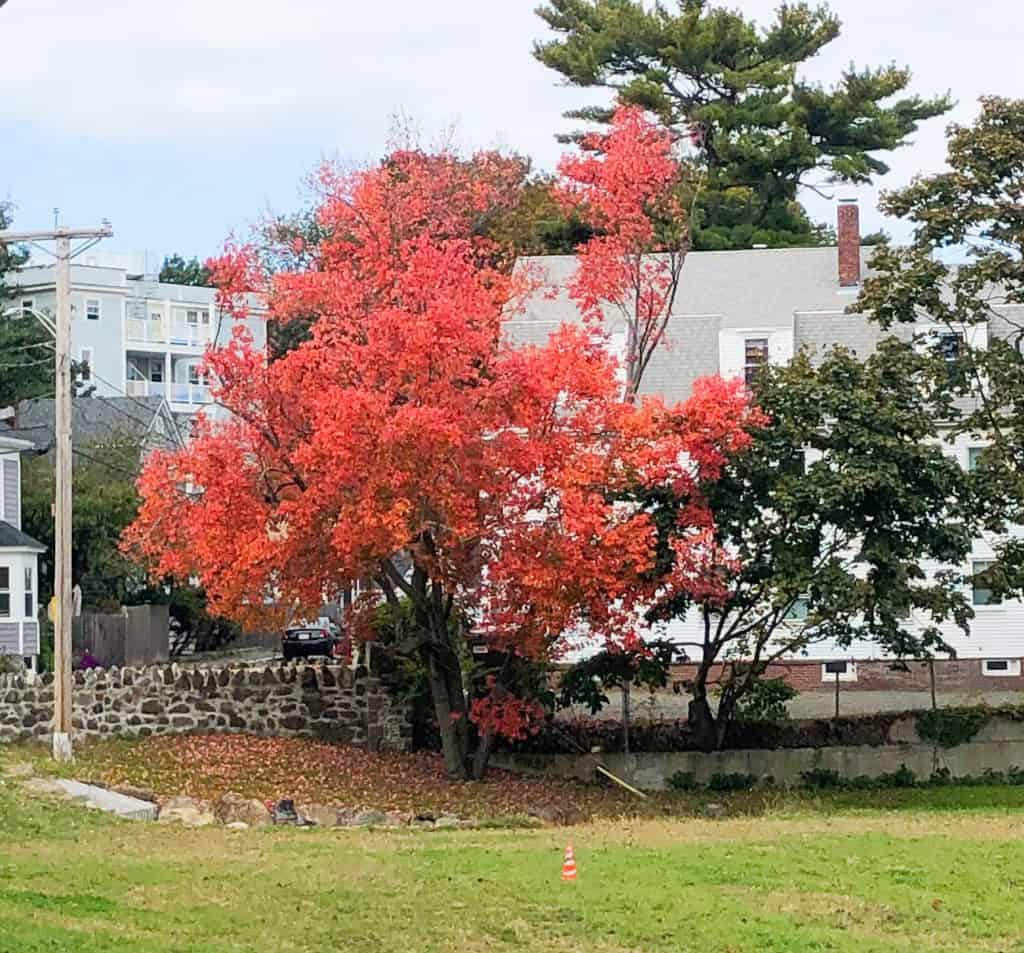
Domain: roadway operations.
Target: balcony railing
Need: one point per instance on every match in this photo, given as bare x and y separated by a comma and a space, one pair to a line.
193, 335
145, 388
190, 393
142, 329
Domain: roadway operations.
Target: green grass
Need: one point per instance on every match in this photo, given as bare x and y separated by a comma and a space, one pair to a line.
857, 871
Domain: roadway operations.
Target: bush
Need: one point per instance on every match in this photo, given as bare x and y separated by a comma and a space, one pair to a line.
766, 701
731, 782
682, 781
902, 777
821, 778
949, 727
11, 664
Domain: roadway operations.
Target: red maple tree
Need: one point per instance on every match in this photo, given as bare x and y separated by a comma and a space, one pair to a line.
633, 189
408, 442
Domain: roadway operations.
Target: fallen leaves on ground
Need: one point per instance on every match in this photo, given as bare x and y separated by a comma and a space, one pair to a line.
207, 766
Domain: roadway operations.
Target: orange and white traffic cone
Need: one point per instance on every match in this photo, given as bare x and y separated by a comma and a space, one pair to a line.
569, 864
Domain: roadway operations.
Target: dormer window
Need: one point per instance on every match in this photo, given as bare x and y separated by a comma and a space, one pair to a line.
755, 356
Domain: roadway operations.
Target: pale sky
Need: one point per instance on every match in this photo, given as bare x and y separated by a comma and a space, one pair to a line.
183, 122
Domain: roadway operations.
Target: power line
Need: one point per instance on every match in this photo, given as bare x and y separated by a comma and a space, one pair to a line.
134, 400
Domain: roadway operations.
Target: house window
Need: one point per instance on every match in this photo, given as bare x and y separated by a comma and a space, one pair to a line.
973, 457
28, 305
1001, 667
5, 592
842, 671
797, 612
194, 377
192, 317
755, 356
86, 373
156, 371
155, 316
206, 318
29, 594
949, 345
983, 595
92, 309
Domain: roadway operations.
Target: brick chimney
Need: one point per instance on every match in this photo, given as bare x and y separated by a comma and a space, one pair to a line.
848, 229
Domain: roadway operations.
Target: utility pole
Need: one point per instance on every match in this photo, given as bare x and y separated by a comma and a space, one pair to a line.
63, 252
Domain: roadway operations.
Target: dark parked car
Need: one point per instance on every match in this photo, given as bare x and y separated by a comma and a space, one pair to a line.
304, 641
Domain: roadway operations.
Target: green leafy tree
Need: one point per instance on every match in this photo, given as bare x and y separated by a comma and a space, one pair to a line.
822, 525
971, 211
733, 90
105, 501
646, 666
26, 352
177, 271
11, 257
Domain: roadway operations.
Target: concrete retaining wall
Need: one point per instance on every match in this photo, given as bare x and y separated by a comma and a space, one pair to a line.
325, 702
998, 746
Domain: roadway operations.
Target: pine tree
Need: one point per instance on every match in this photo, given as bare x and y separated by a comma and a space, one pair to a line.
733, 90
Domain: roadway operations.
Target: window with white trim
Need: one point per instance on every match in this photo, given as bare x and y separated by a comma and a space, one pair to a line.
86, 363
5, 592
30, 602
1000, 667
974, 457
841, 670
981, 594
797, 612
192, 317
755, 356
92, 309
28, 305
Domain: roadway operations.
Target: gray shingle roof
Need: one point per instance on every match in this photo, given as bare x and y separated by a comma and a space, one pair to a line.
784, 288
11, 538
96, 418
717, 290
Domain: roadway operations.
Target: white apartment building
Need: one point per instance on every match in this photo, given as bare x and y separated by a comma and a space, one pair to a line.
139, 337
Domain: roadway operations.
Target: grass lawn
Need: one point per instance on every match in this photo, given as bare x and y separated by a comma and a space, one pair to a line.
879, 872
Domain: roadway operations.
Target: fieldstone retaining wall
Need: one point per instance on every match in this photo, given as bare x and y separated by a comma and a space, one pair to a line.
998, 746
307, 701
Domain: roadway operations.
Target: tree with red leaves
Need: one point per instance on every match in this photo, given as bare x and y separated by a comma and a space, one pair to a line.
631, 187
406, 441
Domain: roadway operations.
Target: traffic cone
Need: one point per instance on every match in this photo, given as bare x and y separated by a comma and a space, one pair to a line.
569, 864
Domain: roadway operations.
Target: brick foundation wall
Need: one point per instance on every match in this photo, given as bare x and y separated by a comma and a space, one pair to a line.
310, 701
959, 675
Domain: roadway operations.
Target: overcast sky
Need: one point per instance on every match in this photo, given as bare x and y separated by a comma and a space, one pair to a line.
182, 122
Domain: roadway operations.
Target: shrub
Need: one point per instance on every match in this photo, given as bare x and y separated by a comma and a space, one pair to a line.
766, 701
682, 781
821, 778
731, 782
949, 727
902, 777
11, 664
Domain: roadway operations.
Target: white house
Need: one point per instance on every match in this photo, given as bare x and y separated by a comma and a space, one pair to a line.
19, 562
736, 310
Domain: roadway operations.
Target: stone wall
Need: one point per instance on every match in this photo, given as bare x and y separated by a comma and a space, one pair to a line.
998, 746
309, 701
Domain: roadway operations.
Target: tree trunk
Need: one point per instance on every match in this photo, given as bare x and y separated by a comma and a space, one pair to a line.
448, 716
625, 716
482, 755
702, 723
